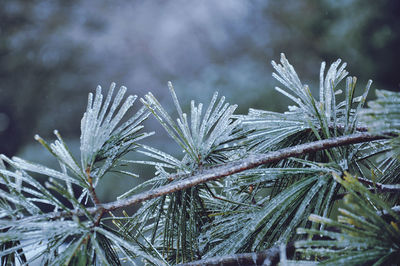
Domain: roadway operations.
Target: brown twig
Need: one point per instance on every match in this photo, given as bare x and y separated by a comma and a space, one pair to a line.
227, 169
100, 210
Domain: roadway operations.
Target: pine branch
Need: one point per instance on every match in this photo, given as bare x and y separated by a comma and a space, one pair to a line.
227, 169
216, 138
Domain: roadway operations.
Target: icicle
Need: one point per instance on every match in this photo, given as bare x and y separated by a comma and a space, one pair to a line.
321, 82
18, 181
204, 123
175, 99
37, 168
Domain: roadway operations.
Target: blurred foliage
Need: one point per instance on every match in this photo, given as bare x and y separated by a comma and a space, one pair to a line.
35, 69
363, 33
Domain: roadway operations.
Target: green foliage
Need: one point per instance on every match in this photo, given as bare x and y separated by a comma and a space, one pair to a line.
369, 232
250, 210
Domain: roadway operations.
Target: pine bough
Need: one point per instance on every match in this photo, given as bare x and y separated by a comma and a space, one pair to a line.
246, 188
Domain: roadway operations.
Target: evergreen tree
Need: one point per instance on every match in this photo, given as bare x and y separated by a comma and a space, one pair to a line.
246, 188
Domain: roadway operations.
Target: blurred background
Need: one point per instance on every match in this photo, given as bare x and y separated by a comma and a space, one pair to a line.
53, 52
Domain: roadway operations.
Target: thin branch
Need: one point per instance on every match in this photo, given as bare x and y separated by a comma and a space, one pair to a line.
343, 127
270, 256
250, 162
391, 188
227, 169
92, 192
395, 208
382, 188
